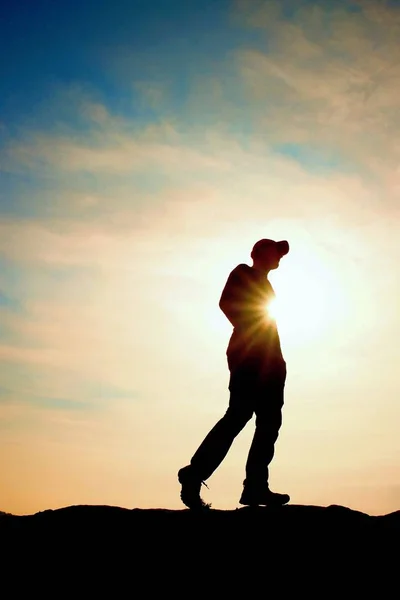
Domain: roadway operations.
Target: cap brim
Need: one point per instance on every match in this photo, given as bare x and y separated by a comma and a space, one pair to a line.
283, 247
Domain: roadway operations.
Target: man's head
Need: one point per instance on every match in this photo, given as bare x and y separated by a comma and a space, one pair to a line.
266, 254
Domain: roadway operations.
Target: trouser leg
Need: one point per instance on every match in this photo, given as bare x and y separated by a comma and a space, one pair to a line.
217, 443
268, 409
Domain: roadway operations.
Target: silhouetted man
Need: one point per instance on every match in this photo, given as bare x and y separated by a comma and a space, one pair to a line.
256, 384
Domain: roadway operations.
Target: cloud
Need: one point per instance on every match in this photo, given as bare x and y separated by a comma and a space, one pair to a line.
329, 77
118, 148
322, 82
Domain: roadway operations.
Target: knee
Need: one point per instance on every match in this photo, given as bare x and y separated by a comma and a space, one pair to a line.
269, 414
237, 419
269, 427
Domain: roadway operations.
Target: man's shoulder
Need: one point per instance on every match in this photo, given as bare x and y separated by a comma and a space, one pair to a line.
241, 269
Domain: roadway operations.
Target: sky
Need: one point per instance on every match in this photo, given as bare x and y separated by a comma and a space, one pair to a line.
144, 148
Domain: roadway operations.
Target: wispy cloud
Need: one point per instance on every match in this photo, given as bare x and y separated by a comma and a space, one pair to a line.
110, 153
329, 76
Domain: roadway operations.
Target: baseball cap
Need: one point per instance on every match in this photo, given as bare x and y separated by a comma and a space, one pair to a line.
282, 246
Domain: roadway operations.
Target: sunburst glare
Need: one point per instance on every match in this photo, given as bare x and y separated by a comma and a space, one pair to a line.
310, 301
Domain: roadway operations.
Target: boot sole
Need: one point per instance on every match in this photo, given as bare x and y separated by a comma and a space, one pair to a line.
271, 504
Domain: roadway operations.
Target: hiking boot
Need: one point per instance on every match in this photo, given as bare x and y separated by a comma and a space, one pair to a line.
253, 496
191, 486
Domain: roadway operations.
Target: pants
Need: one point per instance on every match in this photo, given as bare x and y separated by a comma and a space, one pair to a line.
252, 391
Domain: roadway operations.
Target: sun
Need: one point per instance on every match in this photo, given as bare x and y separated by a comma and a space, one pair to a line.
310, 301
313, 304
272, 309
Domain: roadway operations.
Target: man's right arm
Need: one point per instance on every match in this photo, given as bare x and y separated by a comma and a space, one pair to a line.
231, 301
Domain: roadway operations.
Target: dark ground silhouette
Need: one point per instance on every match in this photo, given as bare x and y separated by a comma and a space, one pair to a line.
104, 550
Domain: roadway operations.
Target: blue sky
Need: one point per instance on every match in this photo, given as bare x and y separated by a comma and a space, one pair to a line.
144, 147
73, 42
